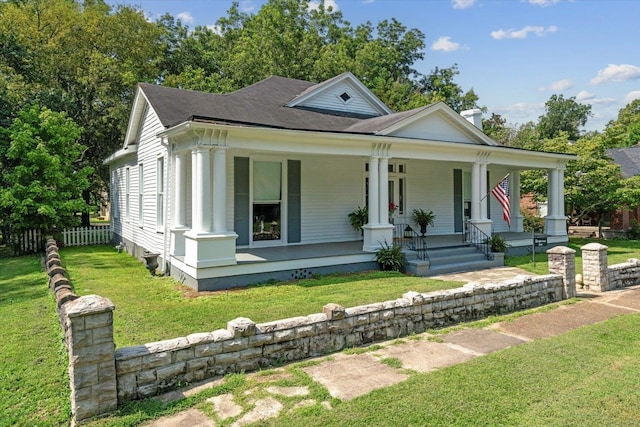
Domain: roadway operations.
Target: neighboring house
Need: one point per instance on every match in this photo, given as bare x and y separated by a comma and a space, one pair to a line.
238, 188
628, 159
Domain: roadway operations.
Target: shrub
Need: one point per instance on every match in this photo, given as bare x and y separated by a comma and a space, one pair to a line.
390, 257
634, 232
497, 243
532, 222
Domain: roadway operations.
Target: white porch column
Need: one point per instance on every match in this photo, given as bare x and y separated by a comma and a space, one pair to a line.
374, 183
220, 190
202, 194
555, 222
475, 192
208, 244
384, 191
479, 194
179, 201
378, 231
514, 201
180, 190
484, 195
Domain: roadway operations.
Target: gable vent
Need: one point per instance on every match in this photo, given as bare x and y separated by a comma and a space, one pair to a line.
345, 97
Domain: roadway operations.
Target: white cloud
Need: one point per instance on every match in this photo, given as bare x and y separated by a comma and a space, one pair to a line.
523, 32
543, 3
616, 73
314, 5
635, 94
247, 6
583, 95
215, 28
559, 86
462, 4
185, 17
445, 44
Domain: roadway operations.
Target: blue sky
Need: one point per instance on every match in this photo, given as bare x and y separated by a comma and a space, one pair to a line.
514, 53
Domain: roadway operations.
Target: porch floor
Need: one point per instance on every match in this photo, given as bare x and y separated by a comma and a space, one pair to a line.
320, 250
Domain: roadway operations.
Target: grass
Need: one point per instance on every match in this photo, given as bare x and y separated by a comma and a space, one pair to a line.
34, 384
619, 251
556, 381
156, 308
587, 377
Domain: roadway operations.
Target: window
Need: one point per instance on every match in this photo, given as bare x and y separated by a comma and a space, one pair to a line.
397, 187
127, 187
345, 97
160, 193
140, 195
267, 200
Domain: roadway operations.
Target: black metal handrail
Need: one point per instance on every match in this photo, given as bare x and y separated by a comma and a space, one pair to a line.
408, 238
478, 238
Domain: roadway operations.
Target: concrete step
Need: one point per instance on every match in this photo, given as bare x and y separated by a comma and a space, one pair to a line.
435, 270
458, 259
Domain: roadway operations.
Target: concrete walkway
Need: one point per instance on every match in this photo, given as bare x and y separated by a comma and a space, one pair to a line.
348, 375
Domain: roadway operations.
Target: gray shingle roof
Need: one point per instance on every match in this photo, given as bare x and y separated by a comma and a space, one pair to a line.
628, 158
261, 104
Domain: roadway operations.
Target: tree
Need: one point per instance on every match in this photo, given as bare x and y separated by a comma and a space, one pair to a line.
82, 58
42, 184
496, 128
625, 130
439, 86
563, 115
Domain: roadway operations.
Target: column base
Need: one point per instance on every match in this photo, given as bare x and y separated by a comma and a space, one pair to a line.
204, 250
375, 236
555, 226
517, 224
177, 241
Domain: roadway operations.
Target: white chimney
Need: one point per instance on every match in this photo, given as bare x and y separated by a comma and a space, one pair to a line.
473, 116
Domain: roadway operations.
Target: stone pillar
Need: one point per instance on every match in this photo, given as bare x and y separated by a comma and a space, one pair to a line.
383, 187
92, 370
595, 270
374, 181
220, 190
562, 261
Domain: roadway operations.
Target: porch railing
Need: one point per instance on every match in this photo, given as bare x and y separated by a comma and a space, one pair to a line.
408, 238
478, 238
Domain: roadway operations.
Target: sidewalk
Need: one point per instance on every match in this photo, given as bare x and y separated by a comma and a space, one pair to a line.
347, 375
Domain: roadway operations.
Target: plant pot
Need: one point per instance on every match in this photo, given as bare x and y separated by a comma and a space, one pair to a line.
152, 262
423, 229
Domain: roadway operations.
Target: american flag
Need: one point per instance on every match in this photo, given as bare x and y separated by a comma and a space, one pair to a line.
501, 193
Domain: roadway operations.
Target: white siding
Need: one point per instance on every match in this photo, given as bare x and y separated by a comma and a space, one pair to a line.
436, 127
430, 187
331, 188
330, 100
144, 232
499, 224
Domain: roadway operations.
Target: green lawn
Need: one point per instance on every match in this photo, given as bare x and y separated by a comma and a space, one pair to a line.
155, 308
619, 251
34, 384
587, 377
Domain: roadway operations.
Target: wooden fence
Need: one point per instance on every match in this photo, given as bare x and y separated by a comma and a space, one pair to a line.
32, 241
82, 236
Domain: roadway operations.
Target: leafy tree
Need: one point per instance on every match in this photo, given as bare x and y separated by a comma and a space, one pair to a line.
563, 115
439, 86
625, 130
82, 58
42, 184
496, 127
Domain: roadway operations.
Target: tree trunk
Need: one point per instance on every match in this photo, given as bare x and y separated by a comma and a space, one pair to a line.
86, 219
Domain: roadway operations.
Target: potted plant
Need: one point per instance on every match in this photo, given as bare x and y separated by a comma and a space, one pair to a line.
497, 243
423, 219
358, 218
390, 257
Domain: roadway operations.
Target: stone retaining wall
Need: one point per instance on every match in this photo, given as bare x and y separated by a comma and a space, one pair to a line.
149, 369
101, 377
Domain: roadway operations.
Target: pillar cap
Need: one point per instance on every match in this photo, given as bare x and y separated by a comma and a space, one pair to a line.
594, 247
563, 250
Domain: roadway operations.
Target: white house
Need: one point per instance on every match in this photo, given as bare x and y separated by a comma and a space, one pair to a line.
257, 184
